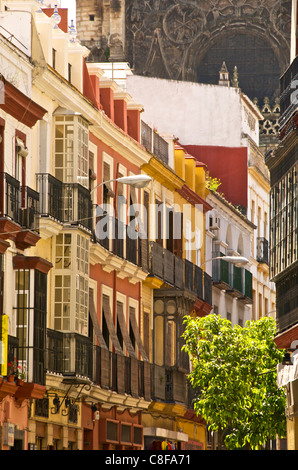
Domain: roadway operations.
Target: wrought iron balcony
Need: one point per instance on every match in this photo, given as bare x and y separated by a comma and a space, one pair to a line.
77, 205
118, 240
262, 250
29, 212
176, 387
208, 288
198, 282
189, 275
234, 280
50, 191
69, 353
166, 266
64, 202
74, 353
10, 197
131, 245
154, 142
221, 273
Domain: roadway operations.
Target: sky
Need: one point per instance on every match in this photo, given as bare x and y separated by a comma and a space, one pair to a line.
71, 5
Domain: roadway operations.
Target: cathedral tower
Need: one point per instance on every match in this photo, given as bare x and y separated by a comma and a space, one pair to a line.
101, 28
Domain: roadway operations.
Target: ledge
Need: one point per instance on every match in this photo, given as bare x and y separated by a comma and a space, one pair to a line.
31, 262
30, 390
26, 239
7, 388
8, 229
166, 434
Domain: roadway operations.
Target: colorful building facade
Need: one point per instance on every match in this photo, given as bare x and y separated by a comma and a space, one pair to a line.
100, 277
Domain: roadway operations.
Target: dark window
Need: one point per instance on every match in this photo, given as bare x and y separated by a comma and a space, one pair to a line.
69, 73
54, 58
40, 315
105, 331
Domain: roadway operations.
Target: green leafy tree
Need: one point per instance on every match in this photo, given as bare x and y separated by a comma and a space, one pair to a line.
234, 370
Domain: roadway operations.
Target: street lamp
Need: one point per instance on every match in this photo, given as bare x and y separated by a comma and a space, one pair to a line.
237, 260
137, 181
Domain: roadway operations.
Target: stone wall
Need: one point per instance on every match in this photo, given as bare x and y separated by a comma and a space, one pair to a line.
186, 40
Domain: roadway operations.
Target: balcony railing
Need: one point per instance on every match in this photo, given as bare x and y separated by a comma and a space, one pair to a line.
154, 142
122, 240
73, 353
208, 288
10, 198
69, 353
166, 266
29, 212
64, 202
175, 386
77, 205
131, 245
179, 273
198, 282
118, 240
234, 280
262, 250
221, 273
50, 191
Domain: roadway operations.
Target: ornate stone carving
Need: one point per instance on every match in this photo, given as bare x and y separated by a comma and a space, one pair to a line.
190, 39
172, 39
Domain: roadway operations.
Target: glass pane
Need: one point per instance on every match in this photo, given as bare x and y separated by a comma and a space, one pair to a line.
58, 295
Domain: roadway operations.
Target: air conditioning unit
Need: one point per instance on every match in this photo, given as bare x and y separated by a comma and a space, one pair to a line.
214, 223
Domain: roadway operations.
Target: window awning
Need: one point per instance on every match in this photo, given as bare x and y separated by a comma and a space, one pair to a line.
110, 323
94, 319
20, 106
135, 328
124, 330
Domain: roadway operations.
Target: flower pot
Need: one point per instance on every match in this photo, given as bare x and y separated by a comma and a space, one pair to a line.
10, 378
20, 382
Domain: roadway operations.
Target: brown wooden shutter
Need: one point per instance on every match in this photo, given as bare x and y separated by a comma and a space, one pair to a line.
135, 328
95, 322
104, 368
124, 330
110, 324
147, 381
146, 332
120, 373
134, 377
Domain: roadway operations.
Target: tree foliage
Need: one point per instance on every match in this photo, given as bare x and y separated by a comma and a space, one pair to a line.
237, 397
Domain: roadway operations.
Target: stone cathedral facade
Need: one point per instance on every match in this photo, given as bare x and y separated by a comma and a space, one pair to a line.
189, 40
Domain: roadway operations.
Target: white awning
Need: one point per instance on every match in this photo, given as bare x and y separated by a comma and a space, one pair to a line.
287, 374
